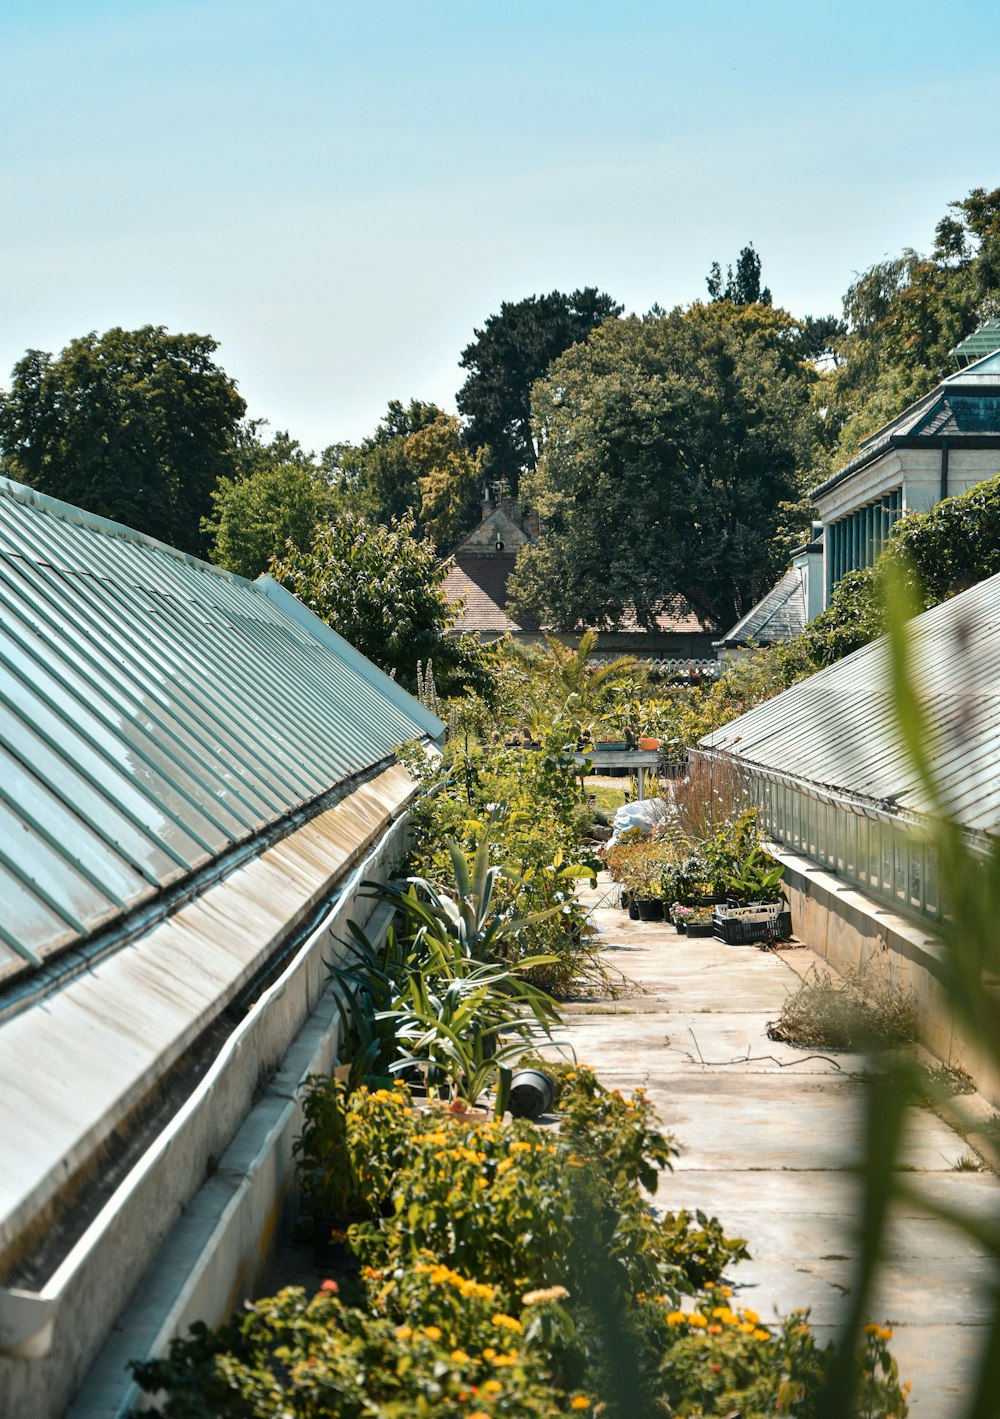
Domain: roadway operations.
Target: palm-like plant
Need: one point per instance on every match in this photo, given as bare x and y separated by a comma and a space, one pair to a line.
564, 682
434, 993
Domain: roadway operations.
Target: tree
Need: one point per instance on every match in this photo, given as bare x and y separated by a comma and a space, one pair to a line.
906, 314
381, 588
742, 287
281, 498
512, 350
382, 482
135, 425
449, 478
670, 443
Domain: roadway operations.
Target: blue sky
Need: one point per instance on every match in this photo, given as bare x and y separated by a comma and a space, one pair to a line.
341, 193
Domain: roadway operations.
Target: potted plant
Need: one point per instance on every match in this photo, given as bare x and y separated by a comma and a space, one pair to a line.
699, 921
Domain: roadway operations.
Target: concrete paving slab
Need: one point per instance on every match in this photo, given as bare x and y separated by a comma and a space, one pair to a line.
769, 1141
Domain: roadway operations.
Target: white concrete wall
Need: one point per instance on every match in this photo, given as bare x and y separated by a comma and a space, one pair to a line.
847, 928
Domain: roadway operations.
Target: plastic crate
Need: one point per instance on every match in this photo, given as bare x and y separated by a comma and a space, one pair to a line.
735, 932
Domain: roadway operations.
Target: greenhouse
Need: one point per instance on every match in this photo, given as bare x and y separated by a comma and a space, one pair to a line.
195, 776
827, 765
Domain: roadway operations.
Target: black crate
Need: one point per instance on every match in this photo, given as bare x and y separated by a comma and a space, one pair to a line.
736, 932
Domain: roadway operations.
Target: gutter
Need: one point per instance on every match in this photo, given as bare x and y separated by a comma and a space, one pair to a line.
987, 440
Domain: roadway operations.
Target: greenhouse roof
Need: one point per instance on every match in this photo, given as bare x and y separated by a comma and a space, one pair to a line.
981, 342
156, 712
837, 731
964, 409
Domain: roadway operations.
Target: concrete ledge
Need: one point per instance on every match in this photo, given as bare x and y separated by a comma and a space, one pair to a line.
847, 928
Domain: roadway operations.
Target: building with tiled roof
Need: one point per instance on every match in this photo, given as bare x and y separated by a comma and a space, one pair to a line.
481, 568
942, 445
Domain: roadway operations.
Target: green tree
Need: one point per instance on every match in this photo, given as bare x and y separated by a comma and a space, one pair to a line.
281, 500
513, 349
449, 477
906, 314
742, 286
135, 425
670, 444
381, 588
380, 480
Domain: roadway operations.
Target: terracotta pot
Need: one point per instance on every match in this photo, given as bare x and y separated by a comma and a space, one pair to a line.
645, 742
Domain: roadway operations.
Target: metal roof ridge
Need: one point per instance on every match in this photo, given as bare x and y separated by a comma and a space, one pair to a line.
93, 522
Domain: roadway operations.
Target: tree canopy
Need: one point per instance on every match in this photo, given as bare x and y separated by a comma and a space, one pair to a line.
381, 588
905, 315
449, 477
513, 349
135, 425
742, 286
282, 497
377, 477
671, 447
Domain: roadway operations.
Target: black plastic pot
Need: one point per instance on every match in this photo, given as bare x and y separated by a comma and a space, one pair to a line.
531, 1094
650, 908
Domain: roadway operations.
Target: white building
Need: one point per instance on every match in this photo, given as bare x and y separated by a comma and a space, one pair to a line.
942, 445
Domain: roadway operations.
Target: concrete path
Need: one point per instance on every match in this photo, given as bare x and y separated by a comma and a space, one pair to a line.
768, 1137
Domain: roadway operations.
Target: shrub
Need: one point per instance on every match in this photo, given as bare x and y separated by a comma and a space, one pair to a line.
862, 1009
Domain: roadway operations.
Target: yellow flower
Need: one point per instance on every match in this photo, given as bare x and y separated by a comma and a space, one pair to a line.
482, 1182
489, 1353
676, 1318
504, 1164
492, 1387
884, 1332
579, 1401
751, 1316
432, 1332
477, 1414
403, 1332
506, 1322
696, 1318
759, 1334
519, 1146
459, 1357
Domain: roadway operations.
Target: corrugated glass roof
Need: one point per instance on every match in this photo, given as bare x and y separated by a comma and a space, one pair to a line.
154, 712
837, 730
981, 342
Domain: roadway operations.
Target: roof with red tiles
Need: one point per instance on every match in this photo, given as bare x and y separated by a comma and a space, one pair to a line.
481, 581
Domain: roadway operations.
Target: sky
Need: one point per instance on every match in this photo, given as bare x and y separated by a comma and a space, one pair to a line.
340, 194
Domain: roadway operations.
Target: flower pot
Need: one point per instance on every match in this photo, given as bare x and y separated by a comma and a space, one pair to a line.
633, 909
531, 1094
646, 742
700, 928
650, 908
